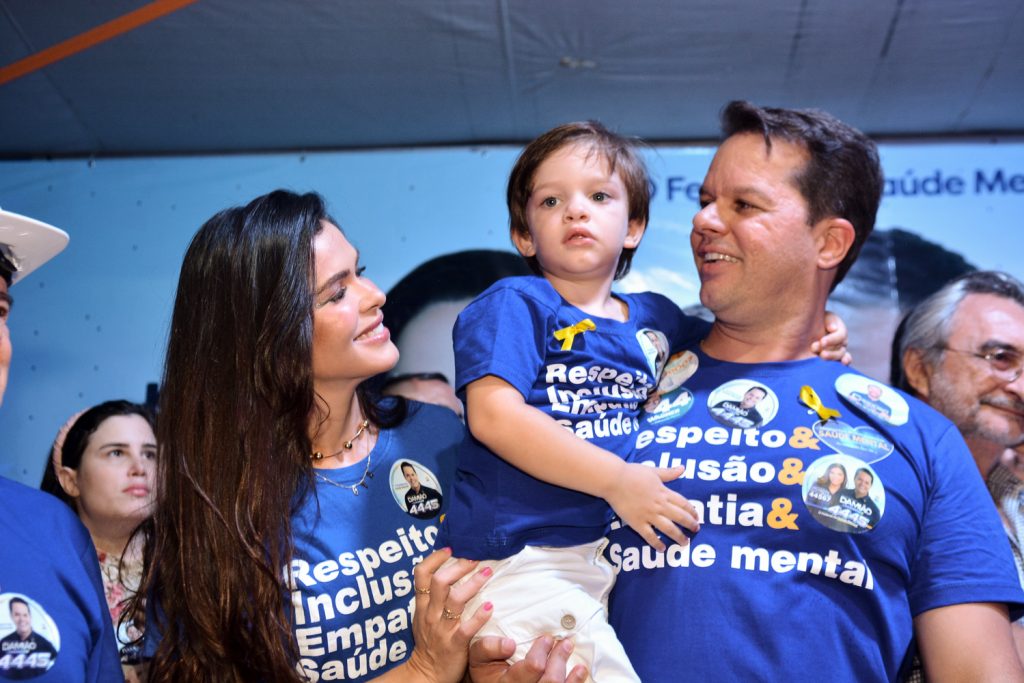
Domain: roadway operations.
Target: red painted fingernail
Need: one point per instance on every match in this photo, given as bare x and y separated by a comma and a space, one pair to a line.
486, 571
488, 607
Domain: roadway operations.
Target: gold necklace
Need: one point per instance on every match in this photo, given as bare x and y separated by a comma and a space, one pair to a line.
347, 446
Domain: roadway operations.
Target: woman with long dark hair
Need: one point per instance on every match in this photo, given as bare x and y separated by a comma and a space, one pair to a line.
283, 544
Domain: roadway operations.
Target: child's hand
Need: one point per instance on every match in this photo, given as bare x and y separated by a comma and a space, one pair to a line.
833, 345
642, 501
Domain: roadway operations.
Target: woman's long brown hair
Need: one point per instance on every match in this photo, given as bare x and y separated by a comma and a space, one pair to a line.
235, 409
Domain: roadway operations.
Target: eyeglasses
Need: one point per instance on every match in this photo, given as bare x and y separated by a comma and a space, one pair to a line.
1006, 364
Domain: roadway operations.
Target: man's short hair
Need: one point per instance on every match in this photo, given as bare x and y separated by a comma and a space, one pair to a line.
843, 176
764, 392
406, 463
10, 605
926, 328
866, 471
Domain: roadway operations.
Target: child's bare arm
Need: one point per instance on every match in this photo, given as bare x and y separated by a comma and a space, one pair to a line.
534, 442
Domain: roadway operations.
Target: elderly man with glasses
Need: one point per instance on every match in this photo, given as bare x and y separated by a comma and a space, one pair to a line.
962, 352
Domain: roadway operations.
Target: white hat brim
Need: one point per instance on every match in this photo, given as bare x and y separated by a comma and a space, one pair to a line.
28, 243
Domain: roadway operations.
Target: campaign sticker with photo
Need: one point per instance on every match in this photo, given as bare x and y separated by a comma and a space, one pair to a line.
844, 494
665, 407
416, 489
863, 442
655, 347
680, 367
29, 640
873, 398
743, 404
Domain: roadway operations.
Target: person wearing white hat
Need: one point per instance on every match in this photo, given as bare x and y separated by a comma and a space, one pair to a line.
48, 566
25, 244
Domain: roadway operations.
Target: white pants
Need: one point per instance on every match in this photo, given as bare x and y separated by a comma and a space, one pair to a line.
561, 592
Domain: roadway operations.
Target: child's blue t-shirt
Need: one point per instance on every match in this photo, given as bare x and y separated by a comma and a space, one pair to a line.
593, 384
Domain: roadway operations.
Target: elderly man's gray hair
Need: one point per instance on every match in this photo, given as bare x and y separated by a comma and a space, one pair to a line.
926, 328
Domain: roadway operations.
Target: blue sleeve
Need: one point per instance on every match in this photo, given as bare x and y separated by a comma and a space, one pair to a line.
501, 333
965, 556
102, 662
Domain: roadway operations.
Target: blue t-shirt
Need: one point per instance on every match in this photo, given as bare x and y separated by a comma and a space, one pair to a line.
354, 554
54, 622
594, 388
784, 576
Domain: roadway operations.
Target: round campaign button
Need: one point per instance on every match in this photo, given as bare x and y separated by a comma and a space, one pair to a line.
844, 494
667, 407
743, 404
872, 398
29, 640
655, 347
416, 489
680, 367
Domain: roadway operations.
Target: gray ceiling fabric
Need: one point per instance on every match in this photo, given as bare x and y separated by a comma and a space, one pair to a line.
251, 75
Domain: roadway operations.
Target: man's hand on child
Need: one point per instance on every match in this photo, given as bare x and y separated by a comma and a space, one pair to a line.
641, 500
546, 662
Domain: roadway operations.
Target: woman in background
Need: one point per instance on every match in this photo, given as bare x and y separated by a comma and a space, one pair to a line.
104, 467
282, 545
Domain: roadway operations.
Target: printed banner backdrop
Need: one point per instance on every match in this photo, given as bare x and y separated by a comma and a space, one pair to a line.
91, 325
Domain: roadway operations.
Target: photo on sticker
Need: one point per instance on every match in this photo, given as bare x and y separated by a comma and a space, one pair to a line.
416, 489
665, 407
743, 404
680, 367
844, 494
873, 398
29, 640
654, 344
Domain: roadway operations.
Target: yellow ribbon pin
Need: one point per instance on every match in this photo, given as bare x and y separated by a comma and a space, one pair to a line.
810, 398
567, 334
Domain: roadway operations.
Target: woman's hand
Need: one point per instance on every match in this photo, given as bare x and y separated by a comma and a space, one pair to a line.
544, 663
441, 631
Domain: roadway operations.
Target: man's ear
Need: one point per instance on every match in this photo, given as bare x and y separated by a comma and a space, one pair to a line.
917, 372
836, 236
524, 243
68, 479
634, 233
